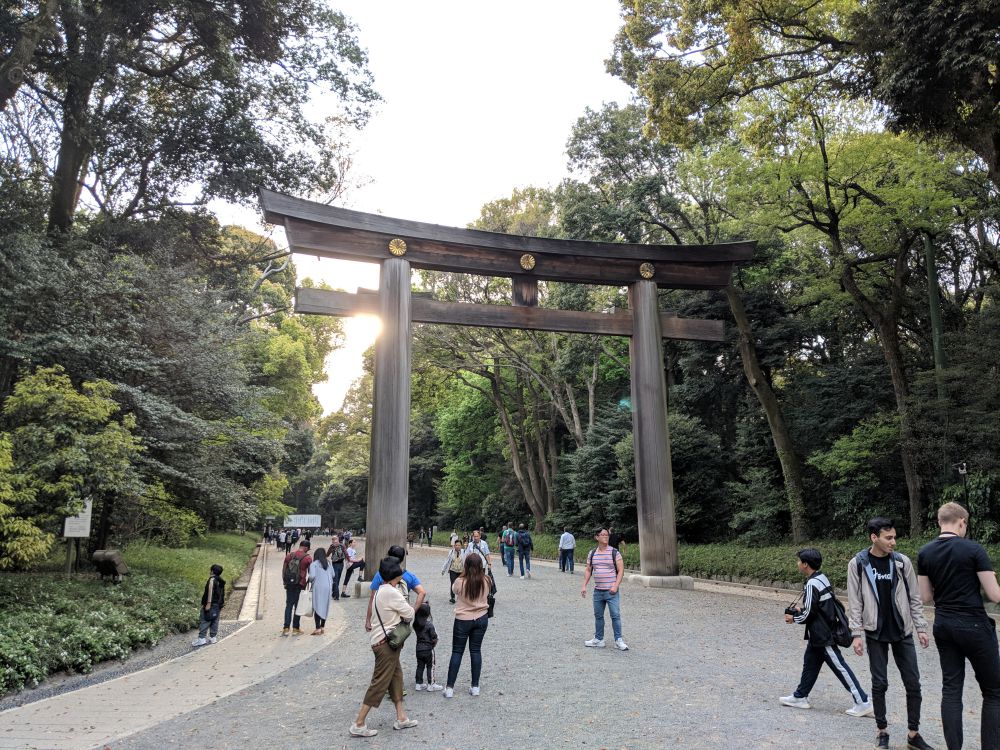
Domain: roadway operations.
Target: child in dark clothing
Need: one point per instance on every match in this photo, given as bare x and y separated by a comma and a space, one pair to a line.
427, 638
212, 601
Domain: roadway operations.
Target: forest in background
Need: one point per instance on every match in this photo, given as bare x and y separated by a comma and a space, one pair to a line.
150, 361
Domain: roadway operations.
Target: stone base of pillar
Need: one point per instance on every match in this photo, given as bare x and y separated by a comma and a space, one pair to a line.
663, 582
361, 590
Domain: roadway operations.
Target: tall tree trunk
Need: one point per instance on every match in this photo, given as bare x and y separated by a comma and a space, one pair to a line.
13, 68
74, 152
791, 468
886, 323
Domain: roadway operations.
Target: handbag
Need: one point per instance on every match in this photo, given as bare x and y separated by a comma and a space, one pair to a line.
399, 634
490, 601
305, 606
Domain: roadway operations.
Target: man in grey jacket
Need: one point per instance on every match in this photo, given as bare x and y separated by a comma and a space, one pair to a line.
884, 608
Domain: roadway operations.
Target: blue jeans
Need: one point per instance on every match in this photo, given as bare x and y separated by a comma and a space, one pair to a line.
602, 597
566, 560
972, 637
524, 558
338, 570
472, 631
291, 602
509, 552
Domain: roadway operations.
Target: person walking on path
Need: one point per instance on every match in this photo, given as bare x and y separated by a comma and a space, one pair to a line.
508, 547
500, 545
336, 553
294, 575
478, 545
427, 640
951, 570
355, 562
605, 565
884, 609
524, 548
409, 582
213, 599
471, 590
321, 578
567, 548
387, 674
816, 614
453, 566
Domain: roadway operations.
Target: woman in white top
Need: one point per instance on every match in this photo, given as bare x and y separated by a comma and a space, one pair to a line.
390, 608
321, 578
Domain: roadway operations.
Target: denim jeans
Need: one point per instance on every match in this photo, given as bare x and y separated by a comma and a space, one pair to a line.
291, 602
509, 551
472, 631
602, 597
208, 623
972, 637
524, 558
338, 570
905, 655
566, 560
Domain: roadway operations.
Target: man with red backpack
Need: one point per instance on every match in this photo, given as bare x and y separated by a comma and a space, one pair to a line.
294, 573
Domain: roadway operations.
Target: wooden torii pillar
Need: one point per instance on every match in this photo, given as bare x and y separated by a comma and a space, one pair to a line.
400, 246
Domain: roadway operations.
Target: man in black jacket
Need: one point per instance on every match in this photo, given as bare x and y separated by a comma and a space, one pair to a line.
212, 601
816, 614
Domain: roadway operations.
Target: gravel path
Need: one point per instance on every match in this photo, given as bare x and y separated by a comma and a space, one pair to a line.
704, 671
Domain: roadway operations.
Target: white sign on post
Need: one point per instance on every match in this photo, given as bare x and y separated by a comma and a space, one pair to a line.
79, 525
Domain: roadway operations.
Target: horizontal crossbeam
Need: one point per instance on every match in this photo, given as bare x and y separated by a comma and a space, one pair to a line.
317, 229
619, 323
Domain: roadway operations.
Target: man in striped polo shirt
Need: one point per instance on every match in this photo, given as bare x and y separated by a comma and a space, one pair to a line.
606, 566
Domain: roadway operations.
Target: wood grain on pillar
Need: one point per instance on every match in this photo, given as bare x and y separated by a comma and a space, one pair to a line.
388, 482
653, 474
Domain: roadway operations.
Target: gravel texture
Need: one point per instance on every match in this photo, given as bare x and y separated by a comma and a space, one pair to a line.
705, 670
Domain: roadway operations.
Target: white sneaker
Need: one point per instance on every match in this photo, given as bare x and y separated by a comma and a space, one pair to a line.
199, 642
362, 731
861, 709
449, 693
594, 643
434, 687
791, 700
473, 691
621, 645
522, 578
213, 639
421, 686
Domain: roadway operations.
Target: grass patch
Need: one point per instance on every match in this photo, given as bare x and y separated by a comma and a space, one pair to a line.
51, 624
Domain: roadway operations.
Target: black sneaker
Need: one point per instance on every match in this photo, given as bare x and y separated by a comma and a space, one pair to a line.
916, 742
882, 740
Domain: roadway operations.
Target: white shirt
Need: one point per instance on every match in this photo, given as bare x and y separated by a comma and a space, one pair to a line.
352, 555
567, 541
482, 550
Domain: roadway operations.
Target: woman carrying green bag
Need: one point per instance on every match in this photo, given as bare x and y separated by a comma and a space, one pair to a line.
392, 611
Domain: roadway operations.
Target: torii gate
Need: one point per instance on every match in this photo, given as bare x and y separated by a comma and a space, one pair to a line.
399, 245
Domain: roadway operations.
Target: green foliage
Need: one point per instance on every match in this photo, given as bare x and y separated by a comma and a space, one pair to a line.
22, 542
51, 624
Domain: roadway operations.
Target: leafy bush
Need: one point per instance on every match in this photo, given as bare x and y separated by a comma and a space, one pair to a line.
52, 624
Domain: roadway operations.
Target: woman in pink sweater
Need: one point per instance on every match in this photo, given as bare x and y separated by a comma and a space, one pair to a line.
471, 590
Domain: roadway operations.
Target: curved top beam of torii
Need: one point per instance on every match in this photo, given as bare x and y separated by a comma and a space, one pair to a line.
319, 229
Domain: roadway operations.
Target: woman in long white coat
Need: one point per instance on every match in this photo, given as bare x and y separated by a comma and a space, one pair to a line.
321, 577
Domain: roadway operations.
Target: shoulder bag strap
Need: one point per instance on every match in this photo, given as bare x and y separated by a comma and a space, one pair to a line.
375, 607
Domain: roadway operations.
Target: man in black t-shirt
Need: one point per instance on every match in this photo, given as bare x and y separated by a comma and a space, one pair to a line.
951, 571
883, 602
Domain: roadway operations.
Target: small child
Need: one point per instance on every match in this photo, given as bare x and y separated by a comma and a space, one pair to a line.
427, 639
453, 565
212, 601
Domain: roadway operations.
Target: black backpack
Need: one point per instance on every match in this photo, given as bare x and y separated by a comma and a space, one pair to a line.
290, 573
839, 628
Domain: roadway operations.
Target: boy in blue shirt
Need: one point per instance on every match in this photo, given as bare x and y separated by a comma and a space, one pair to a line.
411, 582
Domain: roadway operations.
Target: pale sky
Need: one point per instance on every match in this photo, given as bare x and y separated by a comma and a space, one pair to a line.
479, 99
